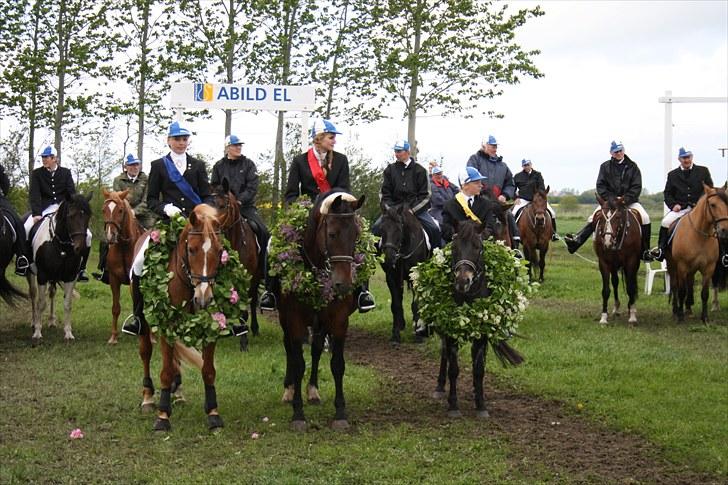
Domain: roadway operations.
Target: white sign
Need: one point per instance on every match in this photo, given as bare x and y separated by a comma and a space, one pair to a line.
242, 96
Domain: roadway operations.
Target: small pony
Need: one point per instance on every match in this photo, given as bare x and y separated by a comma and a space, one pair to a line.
536, 228
122, 231
59, 245
403, 245
327, 248
695, 247
617, 243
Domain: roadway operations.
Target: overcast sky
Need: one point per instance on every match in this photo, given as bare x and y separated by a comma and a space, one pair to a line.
605, 65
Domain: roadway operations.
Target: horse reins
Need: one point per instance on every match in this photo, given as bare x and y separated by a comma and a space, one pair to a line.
716, 221
328, 259
608, 225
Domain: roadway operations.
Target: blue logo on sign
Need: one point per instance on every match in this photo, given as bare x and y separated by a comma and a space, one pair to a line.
199, 91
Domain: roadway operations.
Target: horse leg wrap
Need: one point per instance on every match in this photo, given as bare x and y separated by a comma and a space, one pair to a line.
165, 402
176, 383
147, 383
210, 399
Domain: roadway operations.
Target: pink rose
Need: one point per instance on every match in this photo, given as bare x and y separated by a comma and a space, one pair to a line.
76, 434
154, 235
234, 297
254, 436
224, 257
219, 317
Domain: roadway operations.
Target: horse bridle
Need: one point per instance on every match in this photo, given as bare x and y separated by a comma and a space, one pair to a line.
186, 264
56, 237
478, 268
398, 249
328, 259
240, 220
716, 220
118, 232
608, 225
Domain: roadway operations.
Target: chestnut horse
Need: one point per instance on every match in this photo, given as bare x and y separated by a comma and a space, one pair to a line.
122, 231
536, 229
242, 238
695, 247
617, 243
328, 249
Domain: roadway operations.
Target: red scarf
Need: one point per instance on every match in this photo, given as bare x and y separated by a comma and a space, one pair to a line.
445, 183
317, 172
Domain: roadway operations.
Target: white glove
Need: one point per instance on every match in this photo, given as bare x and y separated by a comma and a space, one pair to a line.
171, 210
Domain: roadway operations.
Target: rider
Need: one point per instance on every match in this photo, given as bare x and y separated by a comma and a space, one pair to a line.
497, 177
49, 186
618, 177
20, 246
241, 173
527, 182
177, 183
442, 191
683, 188
318, 170
406, 182
135, 181
467, 204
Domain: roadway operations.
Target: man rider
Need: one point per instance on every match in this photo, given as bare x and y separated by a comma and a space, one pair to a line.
528, 181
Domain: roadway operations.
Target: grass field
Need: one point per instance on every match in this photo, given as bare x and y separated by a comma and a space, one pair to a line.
661, 381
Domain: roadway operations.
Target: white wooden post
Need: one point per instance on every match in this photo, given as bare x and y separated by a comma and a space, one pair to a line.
304, 130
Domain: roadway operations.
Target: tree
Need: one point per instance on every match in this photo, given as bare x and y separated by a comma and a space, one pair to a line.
445, 56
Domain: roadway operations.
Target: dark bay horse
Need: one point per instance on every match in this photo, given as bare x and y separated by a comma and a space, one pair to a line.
58, 245
9, 293
328, 249
695, 247
194, 262
122, 231
403, 244
617, 244
470, 283
242, 238
536, 229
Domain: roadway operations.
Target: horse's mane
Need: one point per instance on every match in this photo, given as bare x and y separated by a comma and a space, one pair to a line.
205, 216
722, 194
80, 201
468, 230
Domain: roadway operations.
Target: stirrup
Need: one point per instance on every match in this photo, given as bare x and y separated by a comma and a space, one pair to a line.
365, 302
238, 330
132, 326
724, 260
656, 254
269, 306
21, 266
555, 237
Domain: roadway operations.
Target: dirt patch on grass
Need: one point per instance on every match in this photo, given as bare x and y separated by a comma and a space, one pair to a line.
539, 431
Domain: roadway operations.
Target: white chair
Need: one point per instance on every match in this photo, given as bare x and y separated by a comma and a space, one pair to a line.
650, 277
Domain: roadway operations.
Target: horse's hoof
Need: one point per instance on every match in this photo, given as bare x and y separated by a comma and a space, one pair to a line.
340, 424
69, 339
299, 426
162, 425
604, 319
34, 342
112, 340
454, 413
314, 401
438, 394
482, 413
178, 399
214, 422
148, 407
313, 395
287, 394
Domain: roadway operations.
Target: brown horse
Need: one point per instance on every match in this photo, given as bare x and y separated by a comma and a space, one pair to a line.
328, 250
617, 244
536, 229
122, 231
194, 262
695, 247
242, 238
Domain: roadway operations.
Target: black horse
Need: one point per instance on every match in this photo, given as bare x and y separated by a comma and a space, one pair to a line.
403, 245
8, 292
59, 246
470, 283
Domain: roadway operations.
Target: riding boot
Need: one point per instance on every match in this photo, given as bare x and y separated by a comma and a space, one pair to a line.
658, 253
82, 271
555, 236
268, 298
574, 241
103, 275
515, 243
364, 299
22, 261
646, 235
723, 252
133, 323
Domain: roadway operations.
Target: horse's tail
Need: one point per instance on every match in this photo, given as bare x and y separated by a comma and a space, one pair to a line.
188, 355
506, 354
8, 292
720, 276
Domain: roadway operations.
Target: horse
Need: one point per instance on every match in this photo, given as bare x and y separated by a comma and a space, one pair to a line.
194, 262
617, 243
403, 245
695, 247
59, 245
122, 232
470, 283
327, 248
536, 229
9, 293
242, 238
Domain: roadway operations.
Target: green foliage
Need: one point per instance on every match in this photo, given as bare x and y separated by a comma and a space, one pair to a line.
568, 203
366, 179
495, 317
177, 322
313, 288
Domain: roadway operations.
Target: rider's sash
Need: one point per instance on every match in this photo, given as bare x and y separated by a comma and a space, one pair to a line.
317, 172
463, 201
182, 184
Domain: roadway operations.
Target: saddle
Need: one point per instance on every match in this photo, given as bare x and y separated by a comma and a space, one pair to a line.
255, 227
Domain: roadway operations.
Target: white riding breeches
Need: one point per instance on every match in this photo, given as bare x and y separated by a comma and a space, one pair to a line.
672, 216
523, 203
138, 264
636, 206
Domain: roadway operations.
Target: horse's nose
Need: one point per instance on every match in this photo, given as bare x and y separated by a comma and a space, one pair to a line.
203, 296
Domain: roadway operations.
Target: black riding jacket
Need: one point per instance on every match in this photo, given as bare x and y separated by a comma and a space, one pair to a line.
242, 176
528, 184
620, 180
685, 187
410, 185
48, 188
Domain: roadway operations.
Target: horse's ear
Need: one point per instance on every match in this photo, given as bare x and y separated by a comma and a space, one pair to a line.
335, 204
548, 187
123, 194
225, 185
706, 188
89, 196
192, 218
360, 202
